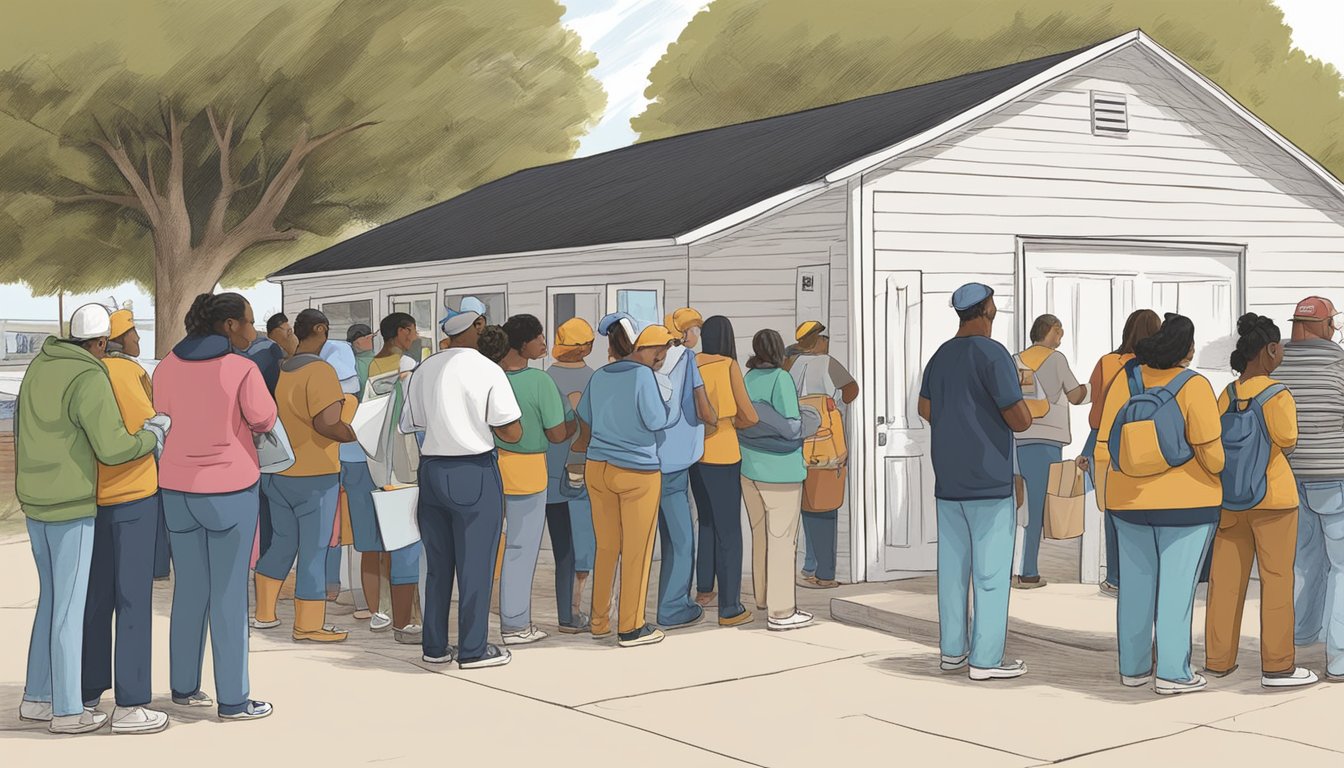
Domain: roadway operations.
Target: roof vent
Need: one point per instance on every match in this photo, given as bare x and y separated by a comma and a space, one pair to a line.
1110, 114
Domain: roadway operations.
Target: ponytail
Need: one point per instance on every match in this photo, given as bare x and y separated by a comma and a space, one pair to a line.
209, 311
1254, 333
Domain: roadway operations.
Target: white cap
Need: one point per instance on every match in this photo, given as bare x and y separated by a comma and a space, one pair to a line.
91, 321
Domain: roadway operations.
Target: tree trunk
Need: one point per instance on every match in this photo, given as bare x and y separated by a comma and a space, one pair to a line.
179, 277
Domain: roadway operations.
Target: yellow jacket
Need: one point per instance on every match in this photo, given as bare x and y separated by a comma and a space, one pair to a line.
137, 479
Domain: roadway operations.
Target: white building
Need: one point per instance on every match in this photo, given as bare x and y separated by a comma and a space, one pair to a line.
1085, 184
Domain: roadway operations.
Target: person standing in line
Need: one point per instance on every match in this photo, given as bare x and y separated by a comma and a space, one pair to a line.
680, 446
569, 514
269, 352
772, 489
522, 465
1313, 371
1165, 516
716, 480
121, 574
208, 477
303, 498
66, 423
1140, 324
972, 400
622, 413
1043, 443
340, 355
1265, 532
360, 339
815, 373
462, 402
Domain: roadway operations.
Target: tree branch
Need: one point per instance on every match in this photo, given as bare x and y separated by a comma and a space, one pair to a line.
228, 185
278, 236
124, 201
175, 199
149, 203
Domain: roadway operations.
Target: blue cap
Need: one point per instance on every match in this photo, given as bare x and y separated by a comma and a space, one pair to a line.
969, 295
457, 322
473, 304
604, 325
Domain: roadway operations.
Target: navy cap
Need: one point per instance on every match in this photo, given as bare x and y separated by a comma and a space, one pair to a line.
969, 295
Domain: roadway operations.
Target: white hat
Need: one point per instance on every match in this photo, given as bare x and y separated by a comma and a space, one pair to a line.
458, 322
91, 321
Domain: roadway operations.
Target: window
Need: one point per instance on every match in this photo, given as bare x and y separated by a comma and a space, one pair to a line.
422, 309
640, 304
495, 301
343, 314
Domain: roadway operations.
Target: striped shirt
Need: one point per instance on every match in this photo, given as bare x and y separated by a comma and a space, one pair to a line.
1313, 370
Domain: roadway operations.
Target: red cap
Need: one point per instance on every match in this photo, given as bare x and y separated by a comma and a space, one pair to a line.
1313, 308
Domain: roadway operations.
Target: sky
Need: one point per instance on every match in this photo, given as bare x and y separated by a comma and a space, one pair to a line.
629, 36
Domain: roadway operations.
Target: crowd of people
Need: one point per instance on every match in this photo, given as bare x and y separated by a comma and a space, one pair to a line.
1195, 486
252, 454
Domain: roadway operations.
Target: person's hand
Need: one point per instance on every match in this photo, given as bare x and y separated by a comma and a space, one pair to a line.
1083, 463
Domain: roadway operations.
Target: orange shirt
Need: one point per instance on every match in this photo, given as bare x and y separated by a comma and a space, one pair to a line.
728, 394
137, 479
1108, 367
299, 396
1281, 420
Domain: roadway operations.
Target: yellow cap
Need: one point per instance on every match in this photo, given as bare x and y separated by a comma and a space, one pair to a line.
683, 320
122, 322
655, 336
574, 332
807, 329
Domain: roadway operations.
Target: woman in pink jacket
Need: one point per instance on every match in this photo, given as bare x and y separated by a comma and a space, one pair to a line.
208, 475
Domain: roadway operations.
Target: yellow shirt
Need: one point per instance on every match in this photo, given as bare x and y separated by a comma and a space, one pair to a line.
1281, 421
137, 479
1193, 485
524, 473
728, 394
299, 396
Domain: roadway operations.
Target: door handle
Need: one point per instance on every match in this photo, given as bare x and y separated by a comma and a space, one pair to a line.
881, 420
882, 438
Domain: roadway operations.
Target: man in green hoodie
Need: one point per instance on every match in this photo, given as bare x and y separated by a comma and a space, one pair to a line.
66, 422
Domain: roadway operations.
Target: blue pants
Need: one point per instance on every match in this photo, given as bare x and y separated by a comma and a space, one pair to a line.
62, 553
333, 565
303, 511
581, 526
526, 516
162, 550
559, 523
1161, 565
1318, 573
975, 551
212, 544
359, 488
677, 538
121, 582
264, 532
1034, 460
461, 516
820, 532
718, 502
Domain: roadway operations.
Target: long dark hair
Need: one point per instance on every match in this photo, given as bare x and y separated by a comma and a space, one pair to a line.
1169, 346
618, 342
210, 310
1141, 324
716, 338
767, 349
1254, 332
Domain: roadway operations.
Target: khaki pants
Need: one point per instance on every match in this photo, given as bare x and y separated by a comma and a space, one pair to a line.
1270, 536
773, 510
625, 518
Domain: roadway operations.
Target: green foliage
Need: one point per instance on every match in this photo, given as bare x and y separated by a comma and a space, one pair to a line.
742, 60
462, 92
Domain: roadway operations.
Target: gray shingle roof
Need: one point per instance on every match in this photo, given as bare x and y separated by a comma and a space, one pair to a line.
666, 188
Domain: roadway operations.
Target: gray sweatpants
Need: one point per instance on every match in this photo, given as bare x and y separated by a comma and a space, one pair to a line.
525, 519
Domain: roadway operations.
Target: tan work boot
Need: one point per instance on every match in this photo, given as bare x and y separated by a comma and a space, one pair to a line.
309, 623
268, 594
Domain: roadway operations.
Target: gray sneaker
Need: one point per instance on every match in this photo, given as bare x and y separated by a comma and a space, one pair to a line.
197, 699
581, 625
85, 722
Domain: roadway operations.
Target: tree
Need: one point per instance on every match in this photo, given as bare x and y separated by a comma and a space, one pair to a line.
219, 141
740, 60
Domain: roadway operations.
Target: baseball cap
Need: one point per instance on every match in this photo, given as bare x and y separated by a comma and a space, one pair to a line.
358, 331
458, 322
969, 295
473, 304
684, 319
1313, 308
121, 323
655, 336
807, 329
91, 321
604, 325
574, 332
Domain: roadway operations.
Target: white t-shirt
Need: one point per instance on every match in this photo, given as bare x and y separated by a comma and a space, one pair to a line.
456, 397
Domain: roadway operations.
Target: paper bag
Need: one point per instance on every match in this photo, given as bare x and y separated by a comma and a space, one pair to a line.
274, 453
347, 529
1064, 502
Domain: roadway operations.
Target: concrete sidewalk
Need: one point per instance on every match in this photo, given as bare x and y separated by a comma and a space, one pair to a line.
833, 694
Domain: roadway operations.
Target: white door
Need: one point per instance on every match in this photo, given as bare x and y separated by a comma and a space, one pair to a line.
903, 529
1093, 286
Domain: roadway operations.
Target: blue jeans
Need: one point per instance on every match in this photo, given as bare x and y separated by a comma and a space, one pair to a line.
212, 545
677, 537
1034, 460
162, 551
1108, 522
1318, 574
975, 551
1161, 565
526, 516
303, 511
820, 532
581, 528
62, 553
558, 522
718, 502
121, 582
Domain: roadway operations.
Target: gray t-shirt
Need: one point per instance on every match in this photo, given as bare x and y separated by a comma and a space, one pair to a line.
1054, 380
819, 375
559, 454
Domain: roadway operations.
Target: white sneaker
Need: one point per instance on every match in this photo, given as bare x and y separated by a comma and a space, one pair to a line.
256, 623
1295, 679
494, 657
447, 658
1005, 671
1171, 688
411, 634
35, 711
798, 620
953, 663
138, 720
1136, 682
380, 622
525, 637
86, 722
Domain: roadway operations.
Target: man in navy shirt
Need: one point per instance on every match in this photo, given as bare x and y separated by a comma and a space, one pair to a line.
972, 399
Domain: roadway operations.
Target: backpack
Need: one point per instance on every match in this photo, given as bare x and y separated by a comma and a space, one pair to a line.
1037, 404
826, 449
1247, 446
1148, 437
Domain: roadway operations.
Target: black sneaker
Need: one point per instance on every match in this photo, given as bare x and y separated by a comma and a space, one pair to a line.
645, 635
494, 657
